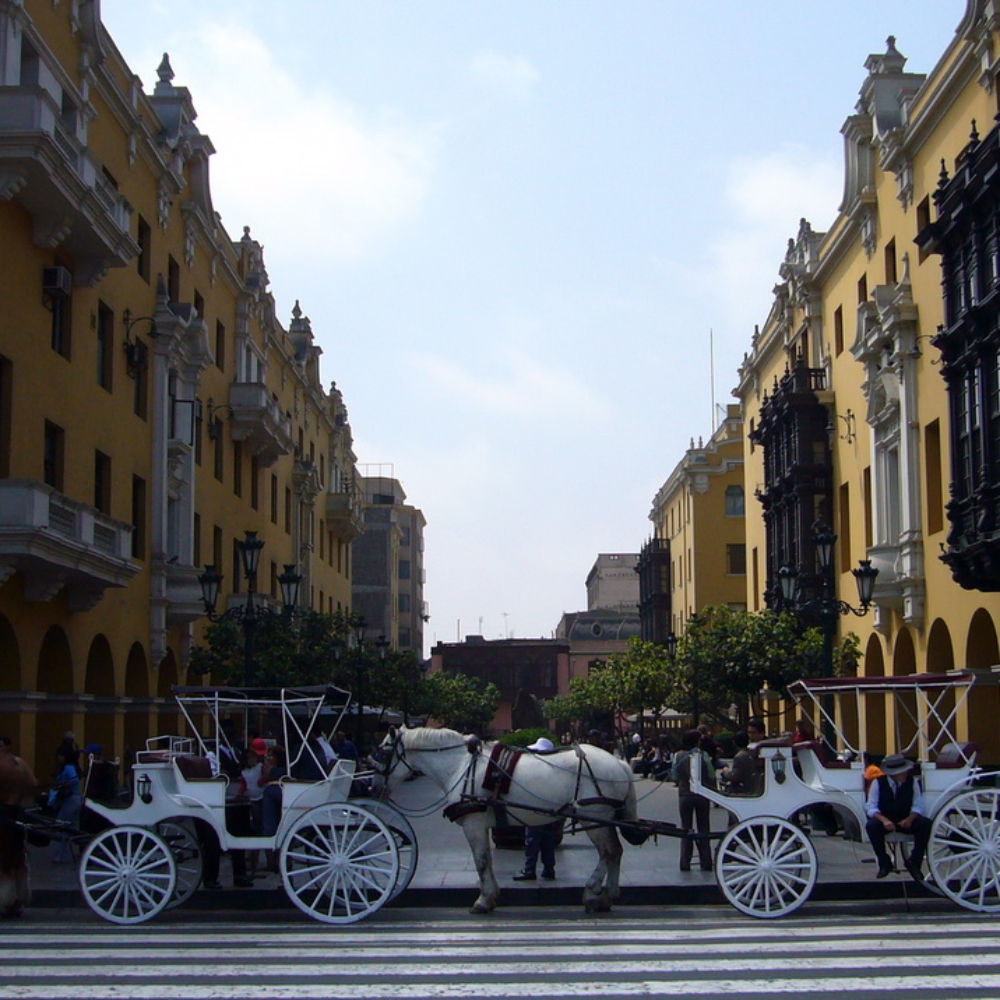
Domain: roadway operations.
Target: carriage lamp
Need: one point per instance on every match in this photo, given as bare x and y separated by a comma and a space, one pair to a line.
144, 788
779, 764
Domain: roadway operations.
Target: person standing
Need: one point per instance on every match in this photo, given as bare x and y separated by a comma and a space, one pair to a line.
65, 799
540, 841
694, 808
896, 802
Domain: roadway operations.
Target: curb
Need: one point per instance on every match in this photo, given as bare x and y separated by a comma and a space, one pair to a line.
463, 896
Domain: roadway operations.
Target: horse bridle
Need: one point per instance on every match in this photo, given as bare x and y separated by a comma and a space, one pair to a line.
397, 752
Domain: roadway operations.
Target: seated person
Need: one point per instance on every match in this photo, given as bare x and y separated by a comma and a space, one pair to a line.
896, 802
742, 775
756, 731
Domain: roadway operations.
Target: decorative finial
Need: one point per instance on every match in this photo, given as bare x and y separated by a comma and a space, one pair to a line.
296, 311
164, 70
974, 134
943, 176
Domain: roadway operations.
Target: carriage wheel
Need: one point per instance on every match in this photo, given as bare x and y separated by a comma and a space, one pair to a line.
181, 839
766, 867
964, 850
127, 874
406, 841
339, 863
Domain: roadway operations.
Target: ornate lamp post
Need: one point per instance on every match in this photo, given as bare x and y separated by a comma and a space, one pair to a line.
250, 612
827, 608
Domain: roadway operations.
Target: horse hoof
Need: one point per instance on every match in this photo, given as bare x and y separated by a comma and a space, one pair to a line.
480, 908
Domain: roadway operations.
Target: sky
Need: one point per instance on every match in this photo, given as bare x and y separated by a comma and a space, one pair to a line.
526, 234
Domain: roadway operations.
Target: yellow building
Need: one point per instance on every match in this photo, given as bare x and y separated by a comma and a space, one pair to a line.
697, 555
869, 399
152, 407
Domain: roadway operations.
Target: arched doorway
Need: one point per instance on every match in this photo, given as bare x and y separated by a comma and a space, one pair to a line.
10, 681
168, 718
981, 653
137, 710
874, 706
904, 664
99, 722
940, 660
55, 678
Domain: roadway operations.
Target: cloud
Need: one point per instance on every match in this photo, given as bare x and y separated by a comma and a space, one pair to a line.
290, 153
521, 388
765, 198
512, 75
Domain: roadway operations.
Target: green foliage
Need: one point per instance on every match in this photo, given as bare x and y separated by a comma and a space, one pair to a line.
724, 659
459, 702
525, 737
727, 657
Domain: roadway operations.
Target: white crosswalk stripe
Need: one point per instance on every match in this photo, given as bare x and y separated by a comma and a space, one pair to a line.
705, 953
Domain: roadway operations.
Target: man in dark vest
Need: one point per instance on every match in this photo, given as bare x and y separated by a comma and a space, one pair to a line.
896, 802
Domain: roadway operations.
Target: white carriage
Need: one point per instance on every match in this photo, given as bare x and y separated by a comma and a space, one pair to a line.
766, 864
339, 859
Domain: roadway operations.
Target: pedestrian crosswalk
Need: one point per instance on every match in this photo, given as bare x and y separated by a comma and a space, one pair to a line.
514, 953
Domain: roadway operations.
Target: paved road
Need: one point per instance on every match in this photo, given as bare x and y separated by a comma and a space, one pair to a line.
707, 952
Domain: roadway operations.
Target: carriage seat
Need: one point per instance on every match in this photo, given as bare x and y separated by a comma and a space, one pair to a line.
957, 755
828, 761
197, 769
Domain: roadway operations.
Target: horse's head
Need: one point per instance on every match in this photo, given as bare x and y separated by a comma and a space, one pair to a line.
391, 764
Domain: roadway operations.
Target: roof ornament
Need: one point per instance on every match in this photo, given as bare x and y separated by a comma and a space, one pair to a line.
165, 71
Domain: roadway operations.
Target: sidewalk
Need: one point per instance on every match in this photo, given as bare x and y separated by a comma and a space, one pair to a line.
446, 875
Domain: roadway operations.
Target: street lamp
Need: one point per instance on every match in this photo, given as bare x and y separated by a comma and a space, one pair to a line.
249, 613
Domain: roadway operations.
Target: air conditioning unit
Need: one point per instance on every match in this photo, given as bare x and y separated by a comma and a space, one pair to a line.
57, 282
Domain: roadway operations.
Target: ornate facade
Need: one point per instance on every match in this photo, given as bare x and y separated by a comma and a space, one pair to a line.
152, 406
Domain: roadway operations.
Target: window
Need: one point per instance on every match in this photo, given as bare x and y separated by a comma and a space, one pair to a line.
220, 347
923, 221
218, 461
144, 237
255, 482
237, 566
102, 482
288, 510
845, 527
933, 481
404, 569
199, 305
139, 517
140, 384
866, 485
863, 289
734, 501
405, 539
838, 331
6, 387
173, 280
53, 455
404, 638
199, 429
217, 548
105, 346
404, 604
61, 306
736, 560
238, 468
889, 256
274, 499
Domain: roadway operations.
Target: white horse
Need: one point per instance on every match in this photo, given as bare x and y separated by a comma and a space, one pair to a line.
582, 780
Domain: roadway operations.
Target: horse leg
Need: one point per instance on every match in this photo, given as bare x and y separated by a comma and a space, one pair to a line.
478, 835
602, 886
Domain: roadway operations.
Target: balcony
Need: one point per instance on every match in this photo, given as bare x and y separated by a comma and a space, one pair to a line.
184, 603
47, 169
345, 514
61, 544
257, 419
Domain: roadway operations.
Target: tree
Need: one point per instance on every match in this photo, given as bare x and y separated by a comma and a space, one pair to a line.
458, 701
727, 657
624, 684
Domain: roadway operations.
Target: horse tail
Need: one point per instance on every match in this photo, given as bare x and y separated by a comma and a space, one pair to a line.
629, 812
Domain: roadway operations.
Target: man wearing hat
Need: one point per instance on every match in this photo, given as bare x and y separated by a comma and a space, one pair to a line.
896, 802
540, 840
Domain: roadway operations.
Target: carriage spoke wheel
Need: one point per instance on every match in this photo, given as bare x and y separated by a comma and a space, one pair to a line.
964, 850
183, 843
766, 867
339, 863
406, 841
127, 874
